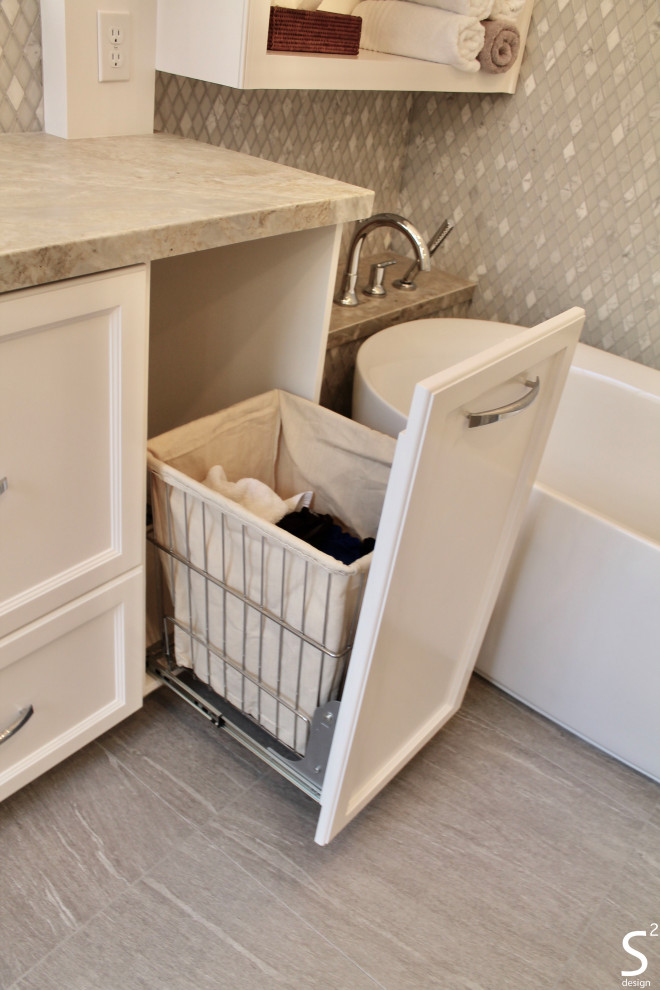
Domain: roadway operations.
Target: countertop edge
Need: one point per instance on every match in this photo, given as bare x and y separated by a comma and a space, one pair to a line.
70, 259
55, 253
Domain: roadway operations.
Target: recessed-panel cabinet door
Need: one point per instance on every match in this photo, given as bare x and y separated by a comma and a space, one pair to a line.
69, 677
72, 435
461, 476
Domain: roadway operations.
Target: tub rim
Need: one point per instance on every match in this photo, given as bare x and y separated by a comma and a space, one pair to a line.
615, 368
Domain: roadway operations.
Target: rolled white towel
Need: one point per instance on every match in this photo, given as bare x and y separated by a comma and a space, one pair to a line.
338, 6
506, 8
480, 9
296, 4
401, 28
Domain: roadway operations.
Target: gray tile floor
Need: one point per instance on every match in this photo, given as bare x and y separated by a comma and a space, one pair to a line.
508, 854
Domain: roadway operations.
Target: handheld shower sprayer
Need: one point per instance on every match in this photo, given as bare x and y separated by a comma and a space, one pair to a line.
443, 231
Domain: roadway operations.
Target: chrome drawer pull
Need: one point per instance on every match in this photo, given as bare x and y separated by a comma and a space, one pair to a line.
493, 415
12, 729
4, 485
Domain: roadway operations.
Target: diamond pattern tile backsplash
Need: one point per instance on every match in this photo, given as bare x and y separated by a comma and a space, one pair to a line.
21, 89
358, 137
555, 191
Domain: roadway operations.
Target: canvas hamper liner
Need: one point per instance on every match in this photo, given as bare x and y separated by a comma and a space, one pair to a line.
276, 672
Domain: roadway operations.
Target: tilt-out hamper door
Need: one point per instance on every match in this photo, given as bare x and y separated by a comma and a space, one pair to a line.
462, 472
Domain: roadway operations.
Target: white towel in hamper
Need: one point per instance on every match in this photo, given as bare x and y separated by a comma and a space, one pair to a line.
255, 496
401, 28
292, 445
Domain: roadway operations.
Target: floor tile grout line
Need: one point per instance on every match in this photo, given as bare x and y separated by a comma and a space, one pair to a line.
297, 914
584, 780
527, 871
267, 771
163, 800
292, 911
141, 879
130, 884
215, 818
646, 823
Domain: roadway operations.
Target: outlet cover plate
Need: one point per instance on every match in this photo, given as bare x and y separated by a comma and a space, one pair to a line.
114, 45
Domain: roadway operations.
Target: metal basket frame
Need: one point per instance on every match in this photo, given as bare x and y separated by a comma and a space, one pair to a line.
307, 770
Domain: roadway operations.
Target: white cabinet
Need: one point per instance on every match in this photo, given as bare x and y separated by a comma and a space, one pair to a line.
72, 422
78, 671
73, 401
454, 504
226, 43
454, 501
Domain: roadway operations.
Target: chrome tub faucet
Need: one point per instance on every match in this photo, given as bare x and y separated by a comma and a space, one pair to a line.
347, 295
406, 281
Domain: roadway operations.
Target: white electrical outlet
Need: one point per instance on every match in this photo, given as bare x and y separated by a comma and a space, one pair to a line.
114, 43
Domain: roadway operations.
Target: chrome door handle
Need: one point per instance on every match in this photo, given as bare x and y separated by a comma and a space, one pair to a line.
17, 724
493, 415
4, 485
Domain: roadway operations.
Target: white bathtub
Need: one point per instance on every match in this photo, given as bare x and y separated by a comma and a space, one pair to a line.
576, 629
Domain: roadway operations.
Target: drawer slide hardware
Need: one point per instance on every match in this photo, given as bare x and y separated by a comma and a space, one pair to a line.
304, 772
18, 723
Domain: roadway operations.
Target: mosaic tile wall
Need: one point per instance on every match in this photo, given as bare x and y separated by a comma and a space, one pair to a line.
21, 90
358, 137
556, 190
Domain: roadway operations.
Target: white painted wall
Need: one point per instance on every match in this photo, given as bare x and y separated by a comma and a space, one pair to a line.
76, 104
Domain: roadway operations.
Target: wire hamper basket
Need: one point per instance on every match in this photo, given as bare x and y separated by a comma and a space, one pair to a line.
256, 624
240, 641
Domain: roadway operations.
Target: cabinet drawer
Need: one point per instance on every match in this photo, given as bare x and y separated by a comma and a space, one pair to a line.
72, 397
81, 671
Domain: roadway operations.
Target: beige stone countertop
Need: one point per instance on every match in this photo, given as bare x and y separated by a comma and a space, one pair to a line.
72, 207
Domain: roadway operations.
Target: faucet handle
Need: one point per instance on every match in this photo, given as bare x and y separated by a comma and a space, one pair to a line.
376, 287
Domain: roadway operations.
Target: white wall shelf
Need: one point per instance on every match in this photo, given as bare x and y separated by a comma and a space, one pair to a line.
226, 44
